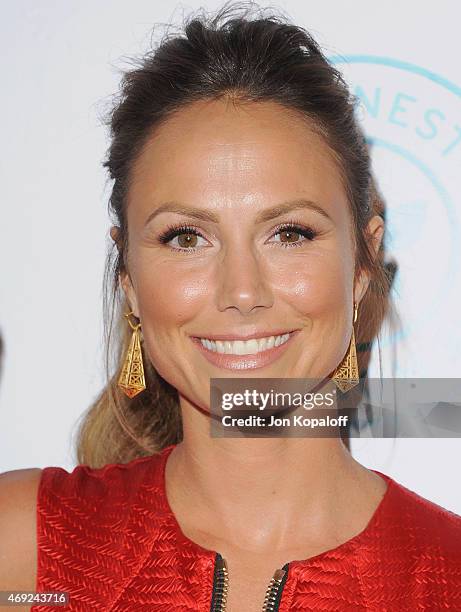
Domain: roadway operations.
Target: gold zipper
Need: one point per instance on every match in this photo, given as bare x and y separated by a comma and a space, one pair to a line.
221, 587
272, 599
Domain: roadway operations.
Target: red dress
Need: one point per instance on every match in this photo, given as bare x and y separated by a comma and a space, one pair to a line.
108, 537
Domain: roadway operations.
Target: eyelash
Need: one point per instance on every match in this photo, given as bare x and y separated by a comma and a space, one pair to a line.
176, 230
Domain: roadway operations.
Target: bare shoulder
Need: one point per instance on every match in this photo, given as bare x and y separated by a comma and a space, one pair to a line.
18, 546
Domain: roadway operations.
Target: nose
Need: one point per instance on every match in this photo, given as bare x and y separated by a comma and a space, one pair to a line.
243, 281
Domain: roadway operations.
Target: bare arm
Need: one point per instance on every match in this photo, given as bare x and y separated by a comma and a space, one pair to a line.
18, 544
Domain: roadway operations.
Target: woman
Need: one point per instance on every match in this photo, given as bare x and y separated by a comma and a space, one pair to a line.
244, 209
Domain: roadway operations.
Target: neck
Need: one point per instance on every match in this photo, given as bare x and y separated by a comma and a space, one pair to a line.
264, 490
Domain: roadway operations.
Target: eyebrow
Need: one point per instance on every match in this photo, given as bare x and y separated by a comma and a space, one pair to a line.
261, 217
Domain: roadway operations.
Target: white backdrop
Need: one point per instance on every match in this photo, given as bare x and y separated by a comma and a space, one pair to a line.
60, 64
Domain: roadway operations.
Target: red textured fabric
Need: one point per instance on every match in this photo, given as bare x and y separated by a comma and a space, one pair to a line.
108, 537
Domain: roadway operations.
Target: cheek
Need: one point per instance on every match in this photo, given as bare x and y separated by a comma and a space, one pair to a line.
170, 297
320, 293
320, 285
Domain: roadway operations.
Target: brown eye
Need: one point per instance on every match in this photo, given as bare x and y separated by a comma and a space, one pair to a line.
182, 238
187, 240
290, 235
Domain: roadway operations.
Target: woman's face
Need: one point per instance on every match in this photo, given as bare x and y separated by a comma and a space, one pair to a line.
238, 178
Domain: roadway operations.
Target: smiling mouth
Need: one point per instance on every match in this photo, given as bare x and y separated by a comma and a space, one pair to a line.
244, 347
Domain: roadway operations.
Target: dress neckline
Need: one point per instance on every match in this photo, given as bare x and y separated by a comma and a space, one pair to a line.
349, 545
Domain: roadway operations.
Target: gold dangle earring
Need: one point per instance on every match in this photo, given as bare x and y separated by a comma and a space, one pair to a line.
131, 379
346, 375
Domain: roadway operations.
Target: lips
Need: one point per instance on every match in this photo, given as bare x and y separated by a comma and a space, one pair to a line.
248, 361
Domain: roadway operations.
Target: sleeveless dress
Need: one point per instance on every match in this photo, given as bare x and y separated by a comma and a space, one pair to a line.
109, 538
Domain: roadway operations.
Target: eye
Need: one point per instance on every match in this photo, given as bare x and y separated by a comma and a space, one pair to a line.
186, 235
290, 233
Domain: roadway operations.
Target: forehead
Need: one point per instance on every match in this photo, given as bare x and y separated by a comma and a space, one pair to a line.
216, 148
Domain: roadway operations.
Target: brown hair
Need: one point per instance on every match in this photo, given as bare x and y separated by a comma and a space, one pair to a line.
252, 57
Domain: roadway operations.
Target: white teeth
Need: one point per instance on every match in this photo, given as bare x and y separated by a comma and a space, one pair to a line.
263, 344
244, 347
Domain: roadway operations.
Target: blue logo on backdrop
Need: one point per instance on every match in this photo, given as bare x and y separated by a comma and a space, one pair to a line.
406, 112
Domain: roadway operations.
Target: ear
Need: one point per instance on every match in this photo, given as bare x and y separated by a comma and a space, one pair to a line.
375, 233
115, 235
124, 277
